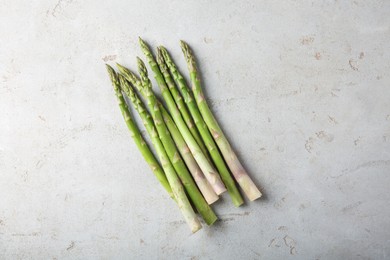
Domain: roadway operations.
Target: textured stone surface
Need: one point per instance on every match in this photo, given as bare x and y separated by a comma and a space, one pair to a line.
301, 88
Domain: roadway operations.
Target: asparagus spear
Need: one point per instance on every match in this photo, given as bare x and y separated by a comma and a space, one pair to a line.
206, 166
203, 130
179, 101
136, 135
170, 179
234, 164
174, 156
197, 174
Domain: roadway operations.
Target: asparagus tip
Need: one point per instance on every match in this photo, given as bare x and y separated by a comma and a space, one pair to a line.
111, 72
142, 68
120, 67
124, 84
163, 51
121, 79
108, 67
167, 58
113, 77
144, 47
161, 61
185, 48
188, 55
139, 60
159, 53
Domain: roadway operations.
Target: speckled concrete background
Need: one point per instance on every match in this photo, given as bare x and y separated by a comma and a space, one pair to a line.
300, 87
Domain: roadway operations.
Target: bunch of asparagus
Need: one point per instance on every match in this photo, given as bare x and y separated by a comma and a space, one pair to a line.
194, 156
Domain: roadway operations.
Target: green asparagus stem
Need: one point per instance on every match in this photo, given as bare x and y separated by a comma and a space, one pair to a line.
136, 135
179, 102
203, 130
206, 166
204, 186
234, 164
170, 147
177, 187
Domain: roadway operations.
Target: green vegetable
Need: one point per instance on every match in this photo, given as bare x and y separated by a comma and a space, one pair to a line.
203, 130
170, 147
177, 187
179, 101
206, 166
231, 159
136, 135
204, 186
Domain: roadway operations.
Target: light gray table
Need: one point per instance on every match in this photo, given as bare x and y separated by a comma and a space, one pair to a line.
301, 88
